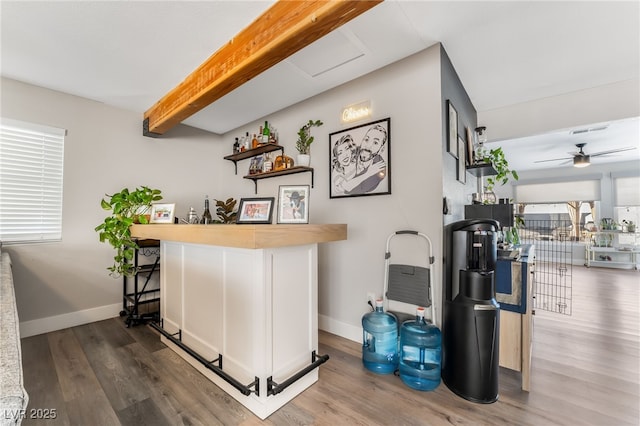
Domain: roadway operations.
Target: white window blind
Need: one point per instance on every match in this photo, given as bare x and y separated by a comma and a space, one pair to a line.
627, 191
558, 192
31, 167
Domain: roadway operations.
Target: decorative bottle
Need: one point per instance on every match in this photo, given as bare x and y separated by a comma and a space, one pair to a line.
420, 353
380, 341
266, 133
267, 165
206, 216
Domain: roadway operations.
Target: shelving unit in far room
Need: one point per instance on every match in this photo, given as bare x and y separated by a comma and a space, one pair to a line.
608, 249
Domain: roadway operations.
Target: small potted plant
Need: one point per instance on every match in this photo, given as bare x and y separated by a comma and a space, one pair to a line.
303, 144
631, 226
127, 207
226, 210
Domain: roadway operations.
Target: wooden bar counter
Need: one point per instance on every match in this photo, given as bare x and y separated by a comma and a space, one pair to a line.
243, 236
240, 304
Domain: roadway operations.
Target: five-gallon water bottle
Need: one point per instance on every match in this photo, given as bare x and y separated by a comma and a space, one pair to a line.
380, 341
420, 353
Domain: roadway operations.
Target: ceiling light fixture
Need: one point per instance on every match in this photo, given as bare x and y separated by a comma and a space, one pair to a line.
581, 161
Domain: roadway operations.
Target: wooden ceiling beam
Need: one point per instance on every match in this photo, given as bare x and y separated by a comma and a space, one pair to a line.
283, 29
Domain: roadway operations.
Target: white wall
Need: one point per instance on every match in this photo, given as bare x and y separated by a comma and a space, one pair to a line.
104, 152
66, 283
409, 93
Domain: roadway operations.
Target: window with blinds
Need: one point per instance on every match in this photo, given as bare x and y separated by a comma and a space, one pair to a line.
31, 170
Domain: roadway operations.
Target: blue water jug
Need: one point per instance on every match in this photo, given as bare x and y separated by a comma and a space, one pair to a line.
380, 341
420, 353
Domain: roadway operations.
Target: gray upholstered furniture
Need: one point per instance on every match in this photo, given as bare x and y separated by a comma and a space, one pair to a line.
13, 397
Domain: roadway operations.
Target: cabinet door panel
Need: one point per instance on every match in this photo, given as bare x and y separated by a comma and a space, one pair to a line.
202, 326
171, 287
294, 316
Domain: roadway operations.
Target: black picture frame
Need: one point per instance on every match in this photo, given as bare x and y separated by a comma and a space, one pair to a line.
360, 160
470, 153
255, 210
461, 168
452, 130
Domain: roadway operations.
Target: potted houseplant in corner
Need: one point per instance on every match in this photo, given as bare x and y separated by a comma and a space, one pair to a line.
303, 144
127, 207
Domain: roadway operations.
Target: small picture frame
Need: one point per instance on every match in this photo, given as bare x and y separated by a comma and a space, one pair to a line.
162, 212
255, 210
452, 130
462, 162
293, 204
255, 166
470, 153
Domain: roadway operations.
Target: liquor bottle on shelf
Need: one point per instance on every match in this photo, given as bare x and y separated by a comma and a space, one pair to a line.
206, 216
267, 165
246, 141
254, 142
266, 133
236, 147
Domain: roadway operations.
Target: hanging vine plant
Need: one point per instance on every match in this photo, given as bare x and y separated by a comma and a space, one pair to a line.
127, 207
496, 158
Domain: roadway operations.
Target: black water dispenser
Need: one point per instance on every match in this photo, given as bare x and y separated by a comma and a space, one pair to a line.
471, 317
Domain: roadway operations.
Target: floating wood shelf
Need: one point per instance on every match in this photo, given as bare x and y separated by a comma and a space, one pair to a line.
291, 171
262, 149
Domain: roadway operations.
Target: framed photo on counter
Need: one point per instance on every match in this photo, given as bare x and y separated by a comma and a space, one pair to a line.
162, 212
293, 204
255, 210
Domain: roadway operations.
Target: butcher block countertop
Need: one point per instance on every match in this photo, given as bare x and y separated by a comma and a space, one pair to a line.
243, 236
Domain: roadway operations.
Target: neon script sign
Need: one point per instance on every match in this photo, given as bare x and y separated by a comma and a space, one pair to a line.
356, 112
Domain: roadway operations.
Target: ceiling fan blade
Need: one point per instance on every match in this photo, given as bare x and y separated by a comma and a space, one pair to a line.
613, 151
553, 159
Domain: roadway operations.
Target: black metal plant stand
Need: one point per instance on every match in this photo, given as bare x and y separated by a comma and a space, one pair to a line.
135, 291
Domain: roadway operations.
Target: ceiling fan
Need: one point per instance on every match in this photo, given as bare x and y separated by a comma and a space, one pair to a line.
581, 159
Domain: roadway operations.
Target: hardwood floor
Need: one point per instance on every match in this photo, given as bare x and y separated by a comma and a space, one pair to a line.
585, 371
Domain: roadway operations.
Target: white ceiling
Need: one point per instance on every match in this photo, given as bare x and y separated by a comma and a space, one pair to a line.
131, 53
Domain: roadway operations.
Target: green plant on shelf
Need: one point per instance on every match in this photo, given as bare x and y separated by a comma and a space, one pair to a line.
496, 158
303, 144
631, 226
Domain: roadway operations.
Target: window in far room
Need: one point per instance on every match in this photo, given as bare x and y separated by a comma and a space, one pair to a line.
569, 220
31, 171
626, 190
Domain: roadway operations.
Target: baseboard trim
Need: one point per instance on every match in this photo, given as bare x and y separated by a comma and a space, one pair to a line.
338, 328
72, 319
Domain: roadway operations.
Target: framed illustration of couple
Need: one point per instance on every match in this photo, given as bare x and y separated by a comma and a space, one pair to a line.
360, 160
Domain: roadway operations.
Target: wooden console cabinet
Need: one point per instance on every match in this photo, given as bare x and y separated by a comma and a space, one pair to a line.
514, 291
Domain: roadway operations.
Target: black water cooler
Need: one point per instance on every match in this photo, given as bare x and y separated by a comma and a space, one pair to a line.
471, 317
